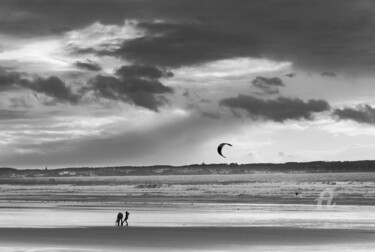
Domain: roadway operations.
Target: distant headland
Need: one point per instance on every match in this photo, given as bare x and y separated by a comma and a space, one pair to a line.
196, 169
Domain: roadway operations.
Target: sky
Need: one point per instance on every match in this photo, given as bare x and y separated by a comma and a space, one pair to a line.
164, 82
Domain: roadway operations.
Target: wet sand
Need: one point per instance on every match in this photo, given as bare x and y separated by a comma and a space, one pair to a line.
188, 239
188, 215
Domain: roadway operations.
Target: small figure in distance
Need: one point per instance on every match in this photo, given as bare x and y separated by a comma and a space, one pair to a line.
125, 219
119, 219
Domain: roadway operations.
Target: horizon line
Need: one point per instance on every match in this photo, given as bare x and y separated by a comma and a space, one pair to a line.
177, 166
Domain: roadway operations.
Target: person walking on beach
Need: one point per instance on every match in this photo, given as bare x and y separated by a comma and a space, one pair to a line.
119, 219
125, 219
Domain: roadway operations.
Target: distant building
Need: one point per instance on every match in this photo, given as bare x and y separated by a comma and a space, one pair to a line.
66, 173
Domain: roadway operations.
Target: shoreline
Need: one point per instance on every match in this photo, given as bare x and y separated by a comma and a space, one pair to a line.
349, 189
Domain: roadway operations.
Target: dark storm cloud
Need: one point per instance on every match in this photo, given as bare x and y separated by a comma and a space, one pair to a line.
178, 44
137, 78
196, 32
35, 17
135, 84
106, 86
141, 71
139, 92
268, 86
88, 65
146, 100
8, 79
316, 34
51, 86
277, 110
360, 114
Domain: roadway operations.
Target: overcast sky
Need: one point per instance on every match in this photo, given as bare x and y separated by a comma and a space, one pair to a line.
144, 82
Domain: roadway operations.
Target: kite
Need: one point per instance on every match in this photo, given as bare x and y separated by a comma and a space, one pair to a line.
220, 147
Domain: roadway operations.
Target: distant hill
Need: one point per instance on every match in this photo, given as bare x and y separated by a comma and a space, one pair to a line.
293, 167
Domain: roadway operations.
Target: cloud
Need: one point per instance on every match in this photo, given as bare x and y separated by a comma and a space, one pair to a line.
146, 100
176, 33
101, 37
278, 110
360, 114
89, 65
179, 44
136, 84
277, 30
51, 86
36, 18
230, 68
268, 86
8, 79
141, 71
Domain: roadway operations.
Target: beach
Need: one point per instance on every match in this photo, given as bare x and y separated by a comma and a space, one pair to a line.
185, 239
188, 213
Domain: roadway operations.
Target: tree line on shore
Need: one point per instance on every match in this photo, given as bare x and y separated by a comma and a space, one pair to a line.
230, 168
